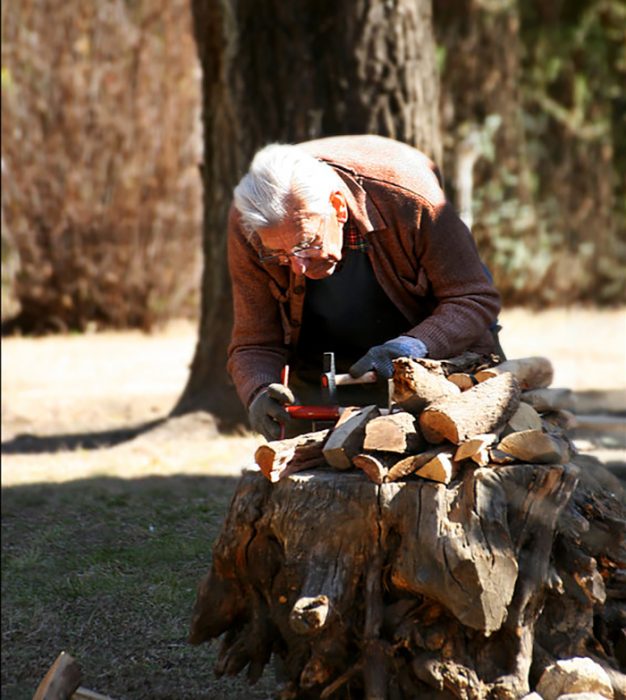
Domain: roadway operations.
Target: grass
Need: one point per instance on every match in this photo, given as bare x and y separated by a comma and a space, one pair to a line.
106, 569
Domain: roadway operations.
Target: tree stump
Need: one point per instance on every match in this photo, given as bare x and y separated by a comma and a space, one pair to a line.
415, 589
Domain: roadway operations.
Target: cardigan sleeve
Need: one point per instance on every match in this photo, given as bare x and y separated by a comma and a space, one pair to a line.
467, 303
257, 351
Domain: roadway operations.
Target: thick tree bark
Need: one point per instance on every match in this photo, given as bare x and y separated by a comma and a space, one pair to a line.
416, 589
277, 71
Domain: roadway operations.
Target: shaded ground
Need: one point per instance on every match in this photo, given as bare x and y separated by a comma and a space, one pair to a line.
102, 547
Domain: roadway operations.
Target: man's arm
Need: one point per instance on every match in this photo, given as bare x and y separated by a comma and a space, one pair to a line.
467, 301
257, 352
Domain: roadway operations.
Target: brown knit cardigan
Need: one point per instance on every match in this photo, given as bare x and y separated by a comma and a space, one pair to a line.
422, 254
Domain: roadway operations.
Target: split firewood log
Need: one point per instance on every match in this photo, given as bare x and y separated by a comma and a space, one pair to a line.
414, 386
396, 432
466, 362
346, 413
279, 458
441, 468
559, 420
375, 467
483, 409
535, 446
530, 372
498, 457
525, 418
475, 448
550, 399
463, 380
346, 440
408, 465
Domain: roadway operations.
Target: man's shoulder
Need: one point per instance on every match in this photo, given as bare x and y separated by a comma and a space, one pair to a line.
381, 159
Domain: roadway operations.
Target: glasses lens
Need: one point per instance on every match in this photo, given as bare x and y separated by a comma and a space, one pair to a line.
308, 252
306, 249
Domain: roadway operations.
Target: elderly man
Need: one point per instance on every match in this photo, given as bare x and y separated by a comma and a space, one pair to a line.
346, 244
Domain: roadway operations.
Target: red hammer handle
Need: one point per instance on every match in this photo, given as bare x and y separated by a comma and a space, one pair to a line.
313, 412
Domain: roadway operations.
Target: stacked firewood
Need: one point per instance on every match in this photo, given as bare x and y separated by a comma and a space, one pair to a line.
444, 414
479, 559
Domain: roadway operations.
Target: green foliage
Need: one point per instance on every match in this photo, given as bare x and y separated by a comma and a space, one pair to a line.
549, 199
574, 71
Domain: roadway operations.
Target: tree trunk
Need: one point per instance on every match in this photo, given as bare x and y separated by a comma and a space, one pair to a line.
481, 78
485, 149
277, 71
416, 589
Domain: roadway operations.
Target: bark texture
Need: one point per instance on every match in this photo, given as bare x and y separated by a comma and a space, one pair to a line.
482, 409
266, 78
530, 372
416, 589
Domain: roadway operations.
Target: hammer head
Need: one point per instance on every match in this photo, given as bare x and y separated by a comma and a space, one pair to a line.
331, 381
329, 385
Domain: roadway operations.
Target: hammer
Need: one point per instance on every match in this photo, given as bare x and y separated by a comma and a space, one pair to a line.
330, 381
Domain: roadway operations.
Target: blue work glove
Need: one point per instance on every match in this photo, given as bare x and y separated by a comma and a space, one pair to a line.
379, 358
266, 412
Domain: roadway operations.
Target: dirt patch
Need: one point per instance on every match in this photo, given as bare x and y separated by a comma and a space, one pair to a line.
63, 396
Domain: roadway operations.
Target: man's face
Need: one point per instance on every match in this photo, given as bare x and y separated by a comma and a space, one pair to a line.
309, 243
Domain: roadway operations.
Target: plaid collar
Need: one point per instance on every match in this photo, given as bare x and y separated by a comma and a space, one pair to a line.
352, 237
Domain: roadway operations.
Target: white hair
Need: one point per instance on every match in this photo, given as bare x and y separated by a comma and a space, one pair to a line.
281, 178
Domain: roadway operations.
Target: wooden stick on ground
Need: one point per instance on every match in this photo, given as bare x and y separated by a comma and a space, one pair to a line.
61, 680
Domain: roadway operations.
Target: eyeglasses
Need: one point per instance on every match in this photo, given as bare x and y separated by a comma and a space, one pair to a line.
302, 251
305, 249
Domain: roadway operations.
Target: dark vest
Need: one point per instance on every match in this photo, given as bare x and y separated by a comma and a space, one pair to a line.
346, 313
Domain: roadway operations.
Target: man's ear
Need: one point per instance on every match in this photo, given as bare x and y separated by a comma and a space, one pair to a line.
339, 204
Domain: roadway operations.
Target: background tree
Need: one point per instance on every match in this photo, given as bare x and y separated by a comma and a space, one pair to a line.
533, 92
100, 146
101, 191
289, 72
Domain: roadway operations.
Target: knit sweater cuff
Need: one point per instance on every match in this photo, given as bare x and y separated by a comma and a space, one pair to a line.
254, 385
